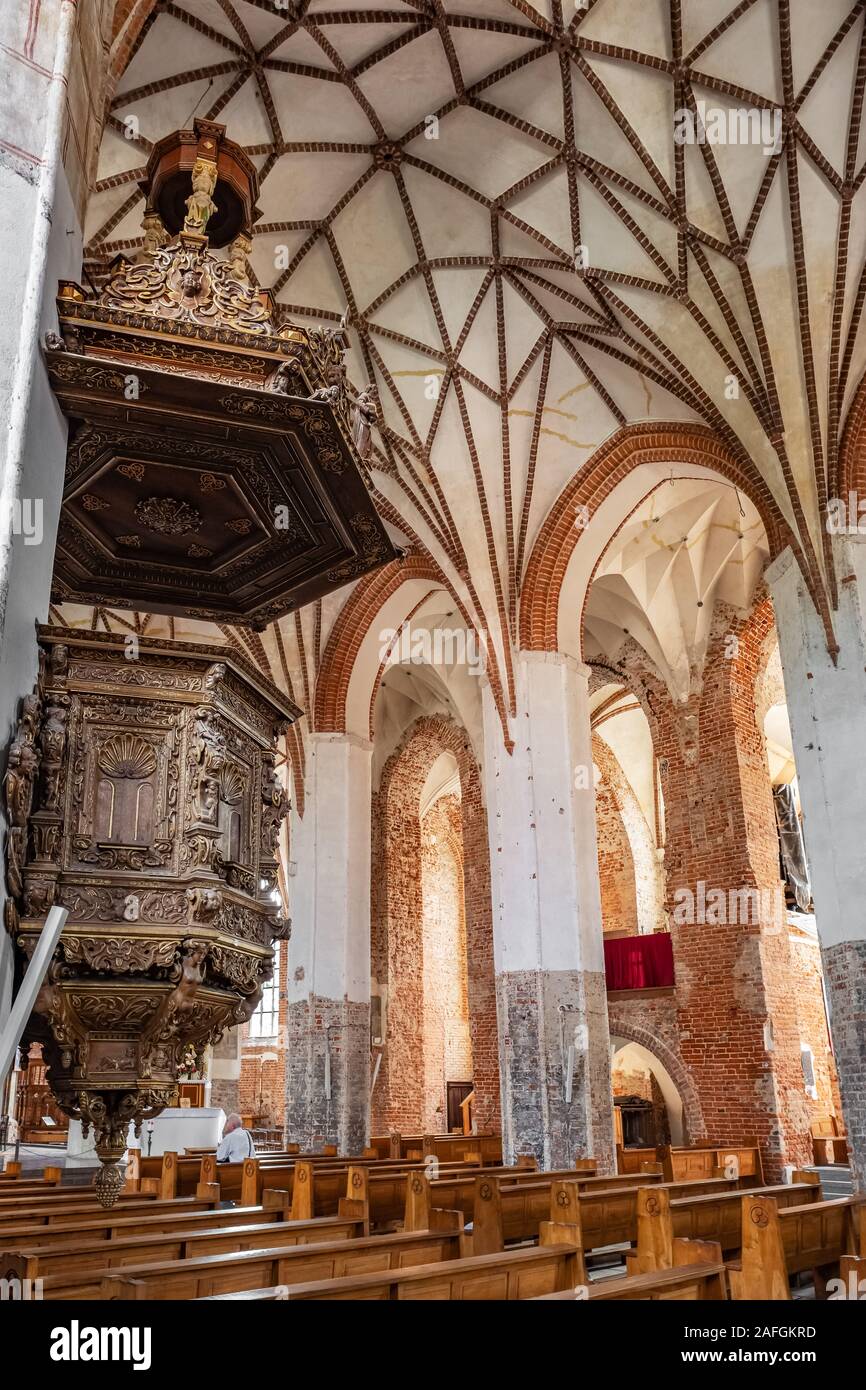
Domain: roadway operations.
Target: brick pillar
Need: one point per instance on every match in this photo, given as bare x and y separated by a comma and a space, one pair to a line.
827, 708
736, 1008
547, 937
328, 984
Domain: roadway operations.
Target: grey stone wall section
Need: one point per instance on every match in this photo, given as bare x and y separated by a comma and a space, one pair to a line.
540, 1012
845, 975
224, 1092
317, 1027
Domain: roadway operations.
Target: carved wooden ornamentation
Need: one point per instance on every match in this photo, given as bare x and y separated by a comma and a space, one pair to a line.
217, 462
142, 796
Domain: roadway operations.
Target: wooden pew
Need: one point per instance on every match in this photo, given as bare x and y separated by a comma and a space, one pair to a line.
852, 1270
829, 1144
517, 1274
444, 1146
168, 1262
12, 1173
174, 1175
512, 1212
201, 1275
704, 1280
698, 1273
665, 1216
231, 1271
634, 1160
777, 1243
716, 1160
20, 1191
457, 1193
69, 1213
247, 1181
184, 1214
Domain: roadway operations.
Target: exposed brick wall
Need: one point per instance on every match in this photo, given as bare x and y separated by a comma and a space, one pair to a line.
615, 866
262, 1085
447, 1041
646, 878
806, 969
397, 928
733, 979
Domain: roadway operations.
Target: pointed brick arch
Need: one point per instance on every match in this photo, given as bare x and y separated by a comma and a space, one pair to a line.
354, 622
625, 1024
351, 627
628, 449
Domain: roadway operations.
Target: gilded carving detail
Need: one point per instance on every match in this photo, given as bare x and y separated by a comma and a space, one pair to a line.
186, 283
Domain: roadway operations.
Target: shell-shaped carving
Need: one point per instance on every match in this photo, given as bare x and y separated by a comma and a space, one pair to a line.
127, 755
231, 784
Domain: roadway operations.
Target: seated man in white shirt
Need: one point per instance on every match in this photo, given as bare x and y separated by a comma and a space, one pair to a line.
237, 1142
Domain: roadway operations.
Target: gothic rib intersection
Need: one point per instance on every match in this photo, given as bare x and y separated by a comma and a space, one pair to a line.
682, 303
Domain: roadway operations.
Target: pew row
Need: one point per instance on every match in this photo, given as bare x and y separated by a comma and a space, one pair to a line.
780, 1242
385, 1194
681, 1164
47, 1217
444, 1146
50, 1176
516, 1274
664, 1216
210, 1261
605, 1218
172, 1262
698, 1273
179, 1175
184, 1214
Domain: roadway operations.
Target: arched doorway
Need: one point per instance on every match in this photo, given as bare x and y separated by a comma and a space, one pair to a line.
636, 1073
434, 1002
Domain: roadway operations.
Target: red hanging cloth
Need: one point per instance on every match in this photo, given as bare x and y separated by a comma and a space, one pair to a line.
639, 962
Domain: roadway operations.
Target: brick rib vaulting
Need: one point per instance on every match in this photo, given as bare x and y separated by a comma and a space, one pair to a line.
530, 257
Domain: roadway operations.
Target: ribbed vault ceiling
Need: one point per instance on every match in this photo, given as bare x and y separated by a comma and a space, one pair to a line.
528, 257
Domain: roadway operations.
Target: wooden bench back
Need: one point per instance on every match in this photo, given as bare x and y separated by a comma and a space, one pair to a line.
665, 1216
726, 1160
156, 1219
778, 1242
518, 1274
698, 1273
202, 1275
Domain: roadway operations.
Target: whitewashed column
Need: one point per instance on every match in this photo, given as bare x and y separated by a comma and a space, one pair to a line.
827, 709
328, 1061
554, 1043
41, 236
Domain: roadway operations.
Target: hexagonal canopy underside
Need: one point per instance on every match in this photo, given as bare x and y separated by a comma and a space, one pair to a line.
201, 498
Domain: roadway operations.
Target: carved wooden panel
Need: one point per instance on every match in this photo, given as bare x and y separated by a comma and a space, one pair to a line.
142, 796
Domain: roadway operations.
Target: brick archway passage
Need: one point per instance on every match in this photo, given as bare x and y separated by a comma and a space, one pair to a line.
628, 449
652, 1023
397, 922
355, 621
